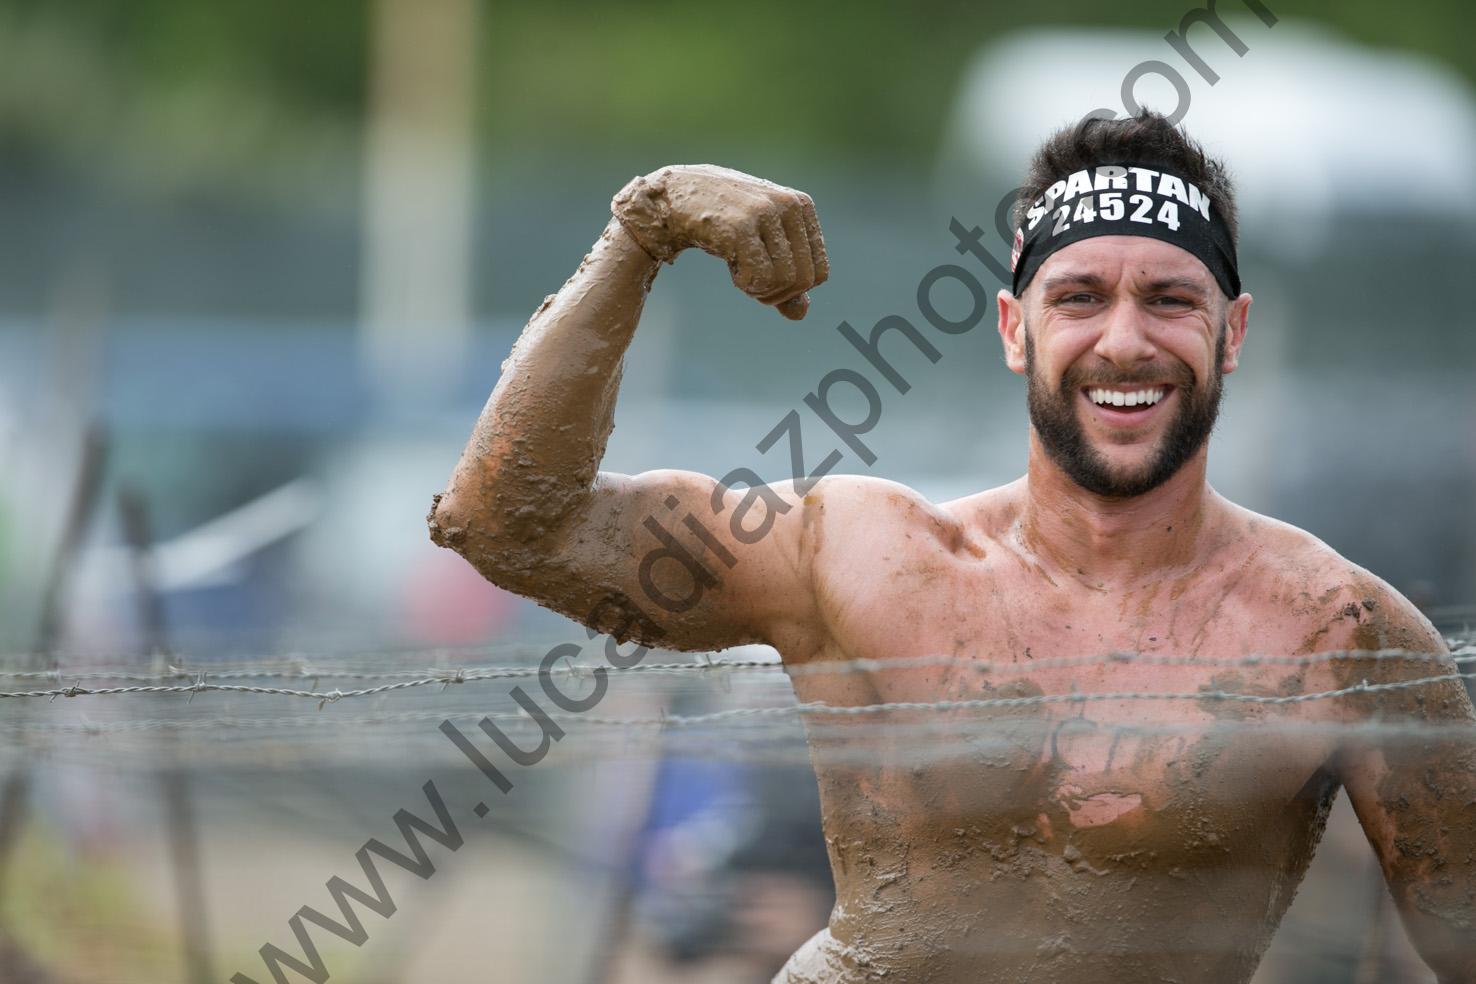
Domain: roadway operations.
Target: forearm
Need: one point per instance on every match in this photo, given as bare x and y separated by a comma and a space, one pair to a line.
536, 448
526, 504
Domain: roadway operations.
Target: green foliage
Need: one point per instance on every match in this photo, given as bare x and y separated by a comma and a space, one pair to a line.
227, 87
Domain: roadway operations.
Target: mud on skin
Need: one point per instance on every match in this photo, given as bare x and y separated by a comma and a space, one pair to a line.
1052, 844
1005, 860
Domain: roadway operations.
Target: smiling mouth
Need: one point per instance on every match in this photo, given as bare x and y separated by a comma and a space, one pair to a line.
1117, 402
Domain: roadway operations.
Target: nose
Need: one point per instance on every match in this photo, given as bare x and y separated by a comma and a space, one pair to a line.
1124, 340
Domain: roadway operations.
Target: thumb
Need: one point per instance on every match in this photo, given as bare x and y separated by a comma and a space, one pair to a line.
795, 308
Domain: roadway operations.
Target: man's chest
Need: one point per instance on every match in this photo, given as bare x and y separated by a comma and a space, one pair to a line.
1089, 707
1009, 618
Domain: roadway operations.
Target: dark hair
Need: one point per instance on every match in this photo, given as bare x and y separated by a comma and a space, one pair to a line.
1148, 139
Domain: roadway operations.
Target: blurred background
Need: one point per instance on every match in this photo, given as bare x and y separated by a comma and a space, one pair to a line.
259, 265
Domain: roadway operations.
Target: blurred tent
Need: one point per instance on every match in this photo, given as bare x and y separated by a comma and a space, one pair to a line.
1314, 127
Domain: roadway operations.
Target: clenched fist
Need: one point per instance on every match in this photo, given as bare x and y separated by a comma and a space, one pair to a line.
768, 234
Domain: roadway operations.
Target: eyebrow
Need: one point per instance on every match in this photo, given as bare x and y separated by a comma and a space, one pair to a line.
1185, 284
1073, 280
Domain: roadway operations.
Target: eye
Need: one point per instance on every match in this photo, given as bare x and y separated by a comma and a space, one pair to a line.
1172, 302
1078, 298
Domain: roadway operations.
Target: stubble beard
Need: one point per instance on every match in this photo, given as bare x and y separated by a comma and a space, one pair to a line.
1055, 419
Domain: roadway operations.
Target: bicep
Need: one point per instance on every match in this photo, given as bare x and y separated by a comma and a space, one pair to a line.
707, 566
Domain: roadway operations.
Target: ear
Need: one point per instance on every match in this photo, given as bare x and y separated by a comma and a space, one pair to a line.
1237, 318
1012, 330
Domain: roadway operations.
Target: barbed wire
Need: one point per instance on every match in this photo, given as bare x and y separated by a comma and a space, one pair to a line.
666, 721
299, 665
200, 677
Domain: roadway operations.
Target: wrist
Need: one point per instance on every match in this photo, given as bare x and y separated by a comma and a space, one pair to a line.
643, 211
619, 253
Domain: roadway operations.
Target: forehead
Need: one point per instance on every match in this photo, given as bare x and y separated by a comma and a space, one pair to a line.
1125, 259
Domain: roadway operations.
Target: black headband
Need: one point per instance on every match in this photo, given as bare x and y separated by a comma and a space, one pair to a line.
1124, 200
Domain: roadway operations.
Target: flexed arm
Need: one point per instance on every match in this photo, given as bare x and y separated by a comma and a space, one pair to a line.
526, 504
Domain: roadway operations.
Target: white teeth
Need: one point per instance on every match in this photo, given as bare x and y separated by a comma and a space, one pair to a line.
1107, 397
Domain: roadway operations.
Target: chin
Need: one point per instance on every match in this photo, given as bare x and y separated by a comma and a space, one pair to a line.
1129, 476
1130, 458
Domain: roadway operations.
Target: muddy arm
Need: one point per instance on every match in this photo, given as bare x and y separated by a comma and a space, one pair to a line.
1414, 790
665, 557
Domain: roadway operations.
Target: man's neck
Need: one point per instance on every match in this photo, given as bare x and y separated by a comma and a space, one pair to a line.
1102, 541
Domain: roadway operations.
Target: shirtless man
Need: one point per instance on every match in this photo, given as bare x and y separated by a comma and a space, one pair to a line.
1057, 841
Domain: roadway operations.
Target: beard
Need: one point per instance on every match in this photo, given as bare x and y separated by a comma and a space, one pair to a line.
1054, 417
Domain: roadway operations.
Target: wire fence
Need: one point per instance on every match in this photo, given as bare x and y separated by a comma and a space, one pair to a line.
765, 710
738, 714
206, 680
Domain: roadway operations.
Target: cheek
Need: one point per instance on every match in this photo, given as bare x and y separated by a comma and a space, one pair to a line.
1066, 350
1193, 346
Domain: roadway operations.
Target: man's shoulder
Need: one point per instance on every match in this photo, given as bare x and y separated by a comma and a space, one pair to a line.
873, 514
1359, 609
1280, 544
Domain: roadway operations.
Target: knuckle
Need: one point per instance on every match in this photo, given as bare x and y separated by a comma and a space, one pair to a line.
756, 283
